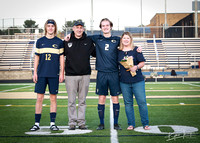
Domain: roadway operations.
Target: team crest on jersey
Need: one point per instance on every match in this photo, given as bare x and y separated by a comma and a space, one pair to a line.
55, 46
69, 45
100, 39
113, 41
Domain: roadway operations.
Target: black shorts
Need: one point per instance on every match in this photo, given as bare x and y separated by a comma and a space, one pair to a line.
107, 81
53, 84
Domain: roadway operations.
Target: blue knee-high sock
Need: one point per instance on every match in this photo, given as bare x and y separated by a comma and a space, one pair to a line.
37, 118
101, 109
52, 116
116, 108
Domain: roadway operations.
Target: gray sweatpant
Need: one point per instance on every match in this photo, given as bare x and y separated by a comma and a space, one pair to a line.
77, 86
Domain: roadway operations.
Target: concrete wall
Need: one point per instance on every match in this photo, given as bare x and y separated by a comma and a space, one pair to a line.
27, 75
15, 75
194, 73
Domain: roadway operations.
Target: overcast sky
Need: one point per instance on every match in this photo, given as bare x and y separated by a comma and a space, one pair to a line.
121, 12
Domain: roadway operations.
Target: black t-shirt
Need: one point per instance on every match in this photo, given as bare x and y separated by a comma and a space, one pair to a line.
78, 53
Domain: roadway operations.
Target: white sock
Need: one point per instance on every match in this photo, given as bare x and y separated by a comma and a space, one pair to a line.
38, 124
52, 123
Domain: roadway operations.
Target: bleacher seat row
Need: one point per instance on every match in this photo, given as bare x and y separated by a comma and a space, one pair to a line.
168, 54
16, 55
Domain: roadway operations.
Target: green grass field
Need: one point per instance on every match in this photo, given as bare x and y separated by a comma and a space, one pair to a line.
17, 116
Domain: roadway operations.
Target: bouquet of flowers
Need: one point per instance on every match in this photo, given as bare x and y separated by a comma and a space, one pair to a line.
127, 62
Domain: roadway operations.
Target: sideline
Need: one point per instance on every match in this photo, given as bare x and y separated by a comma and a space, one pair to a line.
32, 95
122, 105
16, 88
102, 136
191, 84
113, 132
61, 136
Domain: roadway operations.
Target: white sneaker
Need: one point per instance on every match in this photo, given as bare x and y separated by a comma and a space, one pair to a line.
34, 128
54, 128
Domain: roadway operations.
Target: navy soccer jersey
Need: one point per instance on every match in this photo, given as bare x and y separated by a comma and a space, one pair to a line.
125, 76
49, 51
106, 52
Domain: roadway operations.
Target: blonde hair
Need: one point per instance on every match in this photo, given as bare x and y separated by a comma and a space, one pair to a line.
45, 26
121, 47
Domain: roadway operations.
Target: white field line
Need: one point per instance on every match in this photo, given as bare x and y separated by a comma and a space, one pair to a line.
46, 93
192, 84
16, 88
93, 84
10, 84
170, 82
146, 91
113, 132
32, 95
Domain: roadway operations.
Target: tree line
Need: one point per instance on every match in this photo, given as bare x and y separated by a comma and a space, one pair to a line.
32, 24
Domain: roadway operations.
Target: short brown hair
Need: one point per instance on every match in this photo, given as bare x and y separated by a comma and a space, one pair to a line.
106, 19
52, 21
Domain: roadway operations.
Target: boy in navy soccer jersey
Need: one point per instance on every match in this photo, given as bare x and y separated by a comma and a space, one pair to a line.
108, 71
49, 61
107, 67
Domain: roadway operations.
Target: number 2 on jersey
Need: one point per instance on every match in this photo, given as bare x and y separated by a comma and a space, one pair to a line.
48, 57
106, 47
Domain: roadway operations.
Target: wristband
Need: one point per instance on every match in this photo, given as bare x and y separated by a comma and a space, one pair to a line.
137, 68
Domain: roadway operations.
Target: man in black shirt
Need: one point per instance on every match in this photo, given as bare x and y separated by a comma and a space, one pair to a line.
78, 50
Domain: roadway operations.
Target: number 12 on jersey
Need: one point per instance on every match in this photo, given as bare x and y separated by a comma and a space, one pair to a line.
47, 57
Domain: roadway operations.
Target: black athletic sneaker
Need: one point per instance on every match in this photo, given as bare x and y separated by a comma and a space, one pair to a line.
34, 128
100, 127
72, 127
117, 127
83, 127
54, 128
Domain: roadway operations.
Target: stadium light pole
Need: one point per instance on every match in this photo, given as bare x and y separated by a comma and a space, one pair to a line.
118, 23
3, 23
141, 20
196, 19
65, 27
165, 14
13, 22
91, 20
141, 11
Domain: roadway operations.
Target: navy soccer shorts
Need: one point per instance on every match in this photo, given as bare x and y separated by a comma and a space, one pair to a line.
52, 82
107, 81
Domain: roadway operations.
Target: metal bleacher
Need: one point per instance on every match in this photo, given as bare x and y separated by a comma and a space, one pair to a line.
170, 53
176, 53
16, 54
